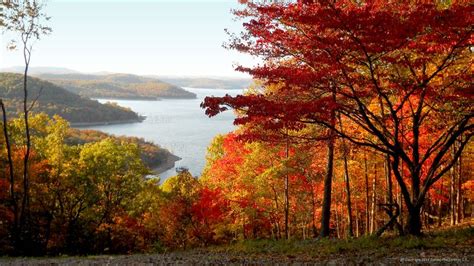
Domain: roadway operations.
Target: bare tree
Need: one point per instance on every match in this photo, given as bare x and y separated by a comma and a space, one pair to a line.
25, 18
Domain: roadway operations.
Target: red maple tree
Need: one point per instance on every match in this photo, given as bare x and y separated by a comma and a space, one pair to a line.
391, 69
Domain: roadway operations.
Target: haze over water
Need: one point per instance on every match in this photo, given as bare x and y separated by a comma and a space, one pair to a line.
178, 125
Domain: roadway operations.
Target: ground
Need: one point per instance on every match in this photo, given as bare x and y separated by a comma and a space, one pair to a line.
454, 246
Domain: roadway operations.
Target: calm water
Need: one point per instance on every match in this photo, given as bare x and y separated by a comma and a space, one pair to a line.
178, 125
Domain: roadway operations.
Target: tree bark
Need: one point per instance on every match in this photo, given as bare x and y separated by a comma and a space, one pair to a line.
24, 214
347, 183
459, 202
326, 210
374, 200
348, 194
392, 219
336, 212
413, 225
11, 174
313, 202
452, 194
440, 206
287, 200
367, 203
356, 221
277, 208
388, 180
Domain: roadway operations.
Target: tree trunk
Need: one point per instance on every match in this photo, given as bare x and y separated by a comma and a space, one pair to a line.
388, 180
400, 196
452, 194
356, 221
346, 181
440, 206
15, 231
277, 208
326, 210
459, 206
348, 192
26, 193
367, 204
413, 225
287, 200
374, 201
336, 212
303, 226
313, 202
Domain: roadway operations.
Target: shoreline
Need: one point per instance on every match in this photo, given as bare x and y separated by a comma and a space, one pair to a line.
105, 123
149, 99
169, 164
171, 159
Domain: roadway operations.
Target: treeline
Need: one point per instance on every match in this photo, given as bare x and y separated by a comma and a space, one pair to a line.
272, 188
121, 86
53, 100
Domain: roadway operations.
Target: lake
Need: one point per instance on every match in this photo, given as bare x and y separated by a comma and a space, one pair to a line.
178, 125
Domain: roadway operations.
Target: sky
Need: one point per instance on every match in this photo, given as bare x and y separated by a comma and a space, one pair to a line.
144, 37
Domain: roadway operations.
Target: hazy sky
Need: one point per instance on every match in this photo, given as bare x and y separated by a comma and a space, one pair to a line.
160, 37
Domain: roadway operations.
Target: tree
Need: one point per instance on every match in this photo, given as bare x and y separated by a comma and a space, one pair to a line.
26, 18
176, 215
11, 172
409, 59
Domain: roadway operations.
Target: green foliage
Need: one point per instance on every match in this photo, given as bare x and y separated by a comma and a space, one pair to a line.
85, 198
151, 154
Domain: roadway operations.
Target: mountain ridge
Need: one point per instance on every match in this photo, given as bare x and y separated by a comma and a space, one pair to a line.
118, 86
54, 100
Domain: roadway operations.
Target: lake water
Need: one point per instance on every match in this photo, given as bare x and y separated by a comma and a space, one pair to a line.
177, 125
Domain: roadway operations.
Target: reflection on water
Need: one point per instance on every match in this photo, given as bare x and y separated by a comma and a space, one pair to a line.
178, 125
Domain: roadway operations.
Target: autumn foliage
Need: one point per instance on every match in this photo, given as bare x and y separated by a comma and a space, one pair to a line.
388, 71
360, 123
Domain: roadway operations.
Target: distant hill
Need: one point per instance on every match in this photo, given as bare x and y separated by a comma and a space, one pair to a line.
56, 100
213, 83
117, 86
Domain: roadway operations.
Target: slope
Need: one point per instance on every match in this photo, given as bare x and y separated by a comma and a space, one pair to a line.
118, 86
54, 100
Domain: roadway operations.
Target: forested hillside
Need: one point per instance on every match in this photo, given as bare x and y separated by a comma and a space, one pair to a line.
212, 83
121, 86
54, 100
152, 155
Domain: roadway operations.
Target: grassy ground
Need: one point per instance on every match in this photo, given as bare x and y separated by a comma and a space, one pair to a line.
455, 245
449, 246
457, 237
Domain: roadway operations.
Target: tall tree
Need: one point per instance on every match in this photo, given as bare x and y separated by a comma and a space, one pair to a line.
26, 18
414, 56
347, 182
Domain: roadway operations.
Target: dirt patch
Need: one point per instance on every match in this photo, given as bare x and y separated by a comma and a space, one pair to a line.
456, 256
